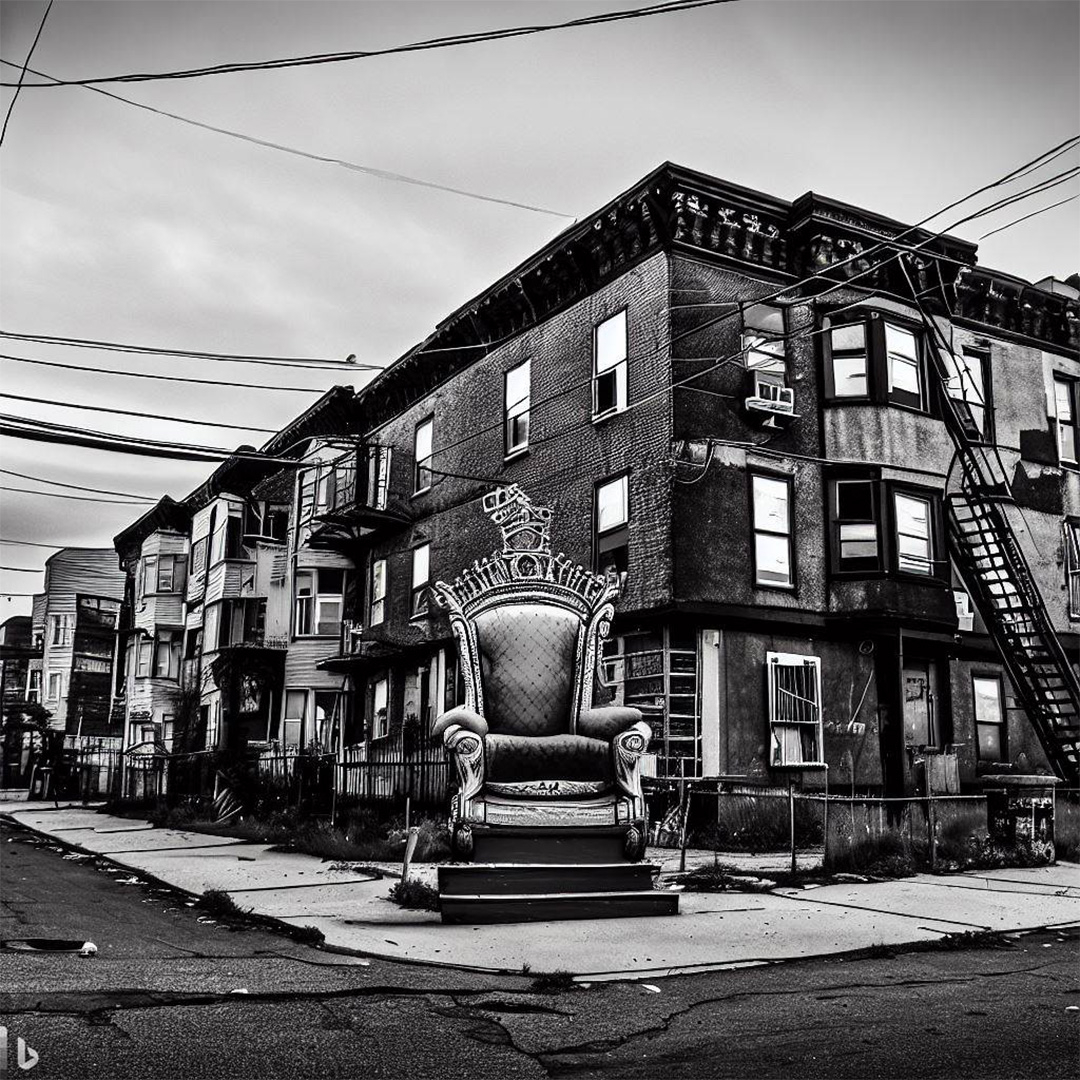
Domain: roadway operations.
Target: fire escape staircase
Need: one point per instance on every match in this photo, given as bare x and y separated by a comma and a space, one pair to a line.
995, 570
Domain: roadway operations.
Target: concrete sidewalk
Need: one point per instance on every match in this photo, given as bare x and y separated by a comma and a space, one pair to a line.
714, 930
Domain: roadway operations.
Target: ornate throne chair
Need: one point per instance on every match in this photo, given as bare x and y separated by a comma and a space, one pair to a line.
530, 750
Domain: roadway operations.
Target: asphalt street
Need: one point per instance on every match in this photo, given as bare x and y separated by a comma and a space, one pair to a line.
174, 993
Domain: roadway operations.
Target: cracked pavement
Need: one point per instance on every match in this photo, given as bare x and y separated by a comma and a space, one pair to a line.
163, 999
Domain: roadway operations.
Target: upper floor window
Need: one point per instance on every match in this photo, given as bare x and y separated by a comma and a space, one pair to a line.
609, 365
421, 559
378, 476
380, 708
1065, 404
876, 359
55, 686
378, 592
771, 510
164, 573
855, 523
226, 539
167, 648
144, 657
612, 516
763, 339
516, 397
968, 382
422, 451
60, 629
914, 533
33, 684
320, 601
1072, 566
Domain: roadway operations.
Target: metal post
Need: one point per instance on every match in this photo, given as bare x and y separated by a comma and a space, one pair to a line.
684, 801
791, 812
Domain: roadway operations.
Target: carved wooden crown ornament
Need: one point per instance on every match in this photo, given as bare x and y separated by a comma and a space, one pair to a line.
526, 559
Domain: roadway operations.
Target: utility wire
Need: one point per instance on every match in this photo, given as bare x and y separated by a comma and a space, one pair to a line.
22, 73
77, 487
136, 412
311, 363
34, 543
78, 498
416, 46
163, 378
368, 170
1034, 213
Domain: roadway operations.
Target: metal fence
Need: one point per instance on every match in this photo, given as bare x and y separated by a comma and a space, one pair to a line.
392, 775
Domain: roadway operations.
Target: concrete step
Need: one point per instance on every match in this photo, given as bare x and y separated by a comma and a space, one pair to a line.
532, 907
562, 845
509, 879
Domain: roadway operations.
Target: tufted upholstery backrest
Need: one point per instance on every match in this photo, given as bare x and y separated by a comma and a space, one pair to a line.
527, 655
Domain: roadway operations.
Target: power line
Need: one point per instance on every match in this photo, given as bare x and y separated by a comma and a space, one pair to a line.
311, 363
22, 73
76, 487
135, 412
1034, 213
163, 378
34, 543
416, 46
78, 498
368, 170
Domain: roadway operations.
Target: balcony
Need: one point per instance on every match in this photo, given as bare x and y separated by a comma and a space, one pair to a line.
356, 500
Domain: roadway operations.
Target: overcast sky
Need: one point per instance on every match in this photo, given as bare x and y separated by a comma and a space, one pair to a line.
124, 225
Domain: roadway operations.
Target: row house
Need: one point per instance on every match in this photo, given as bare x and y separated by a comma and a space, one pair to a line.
18, 651
831, 461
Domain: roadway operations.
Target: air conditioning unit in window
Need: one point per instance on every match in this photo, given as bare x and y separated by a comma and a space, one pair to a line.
771, 403
965, 617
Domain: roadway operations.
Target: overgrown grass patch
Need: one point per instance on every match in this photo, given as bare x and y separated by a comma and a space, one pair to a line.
417, 895
553, 982
219, 904
886, 855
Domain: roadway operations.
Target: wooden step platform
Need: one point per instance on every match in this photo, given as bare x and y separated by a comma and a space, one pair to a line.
547, 873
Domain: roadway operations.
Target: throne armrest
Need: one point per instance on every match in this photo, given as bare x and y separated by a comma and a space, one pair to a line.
627, 748
468, 719
608, 721
466, 750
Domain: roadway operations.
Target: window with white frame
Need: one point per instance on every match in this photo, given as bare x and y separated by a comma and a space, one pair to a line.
320, 601
612, 516
328, 718
168, 730
849, 361
378, 475
914, 533
144, 657
167, 649
55, 685
423, 446
378, 592
33, 685
60, 629
763, 339
380, 708
516, 401
903, 367
968, 382
292, 721
1072, 566
164, 573
213, 725
989, 717
421, 569
609, 365
856, 525
773, 551
1065, 403
795, 727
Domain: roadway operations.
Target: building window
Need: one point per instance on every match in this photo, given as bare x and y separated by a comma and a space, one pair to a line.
320, 601
33, 685
516, 398
378, 592
612, 516
380, 716
913, 533
168, 730
378, 476
199, 551
874, 359
60, 629
903, 367
213, 724
989, 718
292, 721
609, 365
328, 719
167, 654
55, 685
422, 451
763, 339
795, 729
166, 573
1072, 566
145, 658
771, 508
421, 560
1065, 396
968, 382
849, 361
855, 525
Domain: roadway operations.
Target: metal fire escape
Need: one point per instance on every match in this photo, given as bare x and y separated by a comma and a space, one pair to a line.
995, 570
